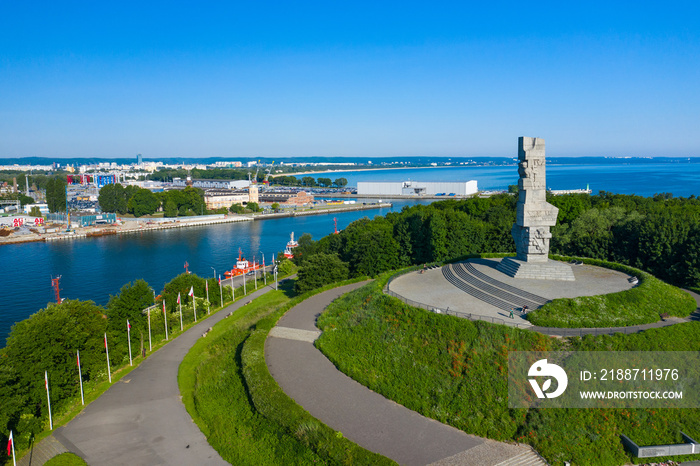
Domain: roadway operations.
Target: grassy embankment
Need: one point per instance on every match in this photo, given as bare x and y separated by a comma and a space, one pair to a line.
66, 459
455, 371
642, 304
230, 394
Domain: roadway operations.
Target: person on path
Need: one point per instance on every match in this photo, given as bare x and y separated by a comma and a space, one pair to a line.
511, 313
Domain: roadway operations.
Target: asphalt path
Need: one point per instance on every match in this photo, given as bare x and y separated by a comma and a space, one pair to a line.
141, 419
363, 416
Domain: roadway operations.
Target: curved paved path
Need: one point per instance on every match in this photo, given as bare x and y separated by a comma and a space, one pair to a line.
141, 419
363, 416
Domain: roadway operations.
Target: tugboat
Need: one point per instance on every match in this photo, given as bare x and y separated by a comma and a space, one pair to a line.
243, 266
290, 245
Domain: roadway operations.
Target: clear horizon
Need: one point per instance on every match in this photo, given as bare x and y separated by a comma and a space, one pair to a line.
277, 80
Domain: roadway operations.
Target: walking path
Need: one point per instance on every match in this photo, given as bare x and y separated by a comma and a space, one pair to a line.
141, 419
363, 416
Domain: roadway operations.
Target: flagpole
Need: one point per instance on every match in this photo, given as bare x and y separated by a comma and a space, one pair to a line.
221, 292
165, 319
245, 293
12, 442
48, 397
128, 334
255, 274
179, 301
107, 350
264, 274
80, 375
150, 346
206, 283
194, 303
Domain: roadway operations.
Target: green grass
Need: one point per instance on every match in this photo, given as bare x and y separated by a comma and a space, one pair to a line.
66, 459
230, 394
639, 305
455, 371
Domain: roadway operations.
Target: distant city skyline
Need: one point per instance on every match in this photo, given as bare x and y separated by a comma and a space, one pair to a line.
320, 79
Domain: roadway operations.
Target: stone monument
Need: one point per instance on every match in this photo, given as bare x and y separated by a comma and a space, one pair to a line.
534, 217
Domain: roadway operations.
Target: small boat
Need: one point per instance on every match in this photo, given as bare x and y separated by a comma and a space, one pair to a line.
242, 267
290, 245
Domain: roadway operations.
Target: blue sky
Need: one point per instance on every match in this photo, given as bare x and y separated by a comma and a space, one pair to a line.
248, 79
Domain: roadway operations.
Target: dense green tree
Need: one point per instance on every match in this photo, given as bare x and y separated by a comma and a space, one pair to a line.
275, 206
370, 247
114, 198
129, 304
143, 202
237, 208
253, 206
48, 341
320, 270
56, 194
170, 208
324, 182
340, 182
308, 181
35, 211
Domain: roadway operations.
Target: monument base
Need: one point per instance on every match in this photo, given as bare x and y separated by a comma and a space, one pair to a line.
550, 270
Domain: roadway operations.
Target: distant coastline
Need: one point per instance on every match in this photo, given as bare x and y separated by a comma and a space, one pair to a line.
385, 168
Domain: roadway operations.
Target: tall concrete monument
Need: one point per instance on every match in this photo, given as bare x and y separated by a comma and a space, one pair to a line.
534, 217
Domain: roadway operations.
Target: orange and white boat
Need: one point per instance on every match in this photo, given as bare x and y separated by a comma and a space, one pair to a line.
291, 244
242, 267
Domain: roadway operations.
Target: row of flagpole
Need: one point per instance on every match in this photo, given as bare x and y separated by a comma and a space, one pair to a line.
10, 444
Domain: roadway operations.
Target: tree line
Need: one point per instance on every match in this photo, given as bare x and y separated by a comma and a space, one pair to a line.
139, 201
660, 235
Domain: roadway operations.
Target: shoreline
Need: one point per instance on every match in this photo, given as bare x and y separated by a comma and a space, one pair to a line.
161, 224
383, 168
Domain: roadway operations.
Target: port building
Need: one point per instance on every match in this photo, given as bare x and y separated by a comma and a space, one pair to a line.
417, 188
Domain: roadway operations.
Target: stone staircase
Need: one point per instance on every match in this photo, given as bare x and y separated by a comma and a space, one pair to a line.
477, 284
528, 458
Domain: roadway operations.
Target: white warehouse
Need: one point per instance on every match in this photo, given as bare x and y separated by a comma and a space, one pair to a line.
417, 188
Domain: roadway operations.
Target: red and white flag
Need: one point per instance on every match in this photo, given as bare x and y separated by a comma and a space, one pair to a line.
78, 359
9, 445
191, 293
46, 379
128, 325
206, 284
163, 306
178, 298
105, 342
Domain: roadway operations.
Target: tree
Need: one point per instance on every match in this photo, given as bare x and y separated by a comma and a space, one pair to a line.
308, 181
144, 202
253, 207
170, 209
340, 182
56, 194
48, 341
275, 206
128, 304
35, 211
320, 270
114, 198
236, 208
325, 182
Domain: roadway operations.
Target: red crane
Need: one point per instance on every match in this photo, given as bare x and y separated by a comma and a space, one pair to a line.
187, 270
56, 289
335, 222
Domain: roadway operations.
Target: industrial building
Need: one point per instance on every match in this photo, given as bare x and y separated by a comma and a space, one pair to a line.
417, 188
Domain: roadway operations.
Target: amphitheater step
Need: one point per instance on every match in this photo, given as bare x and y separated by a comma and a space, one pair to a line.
529, 458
